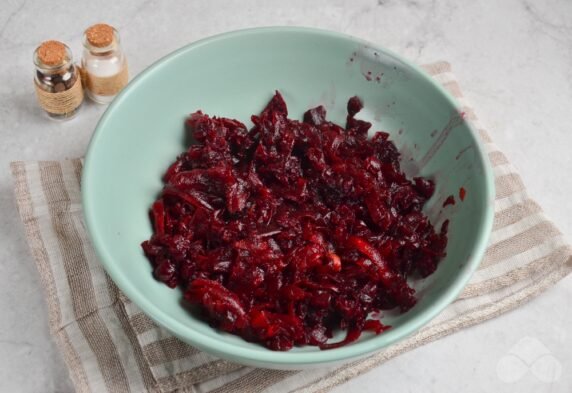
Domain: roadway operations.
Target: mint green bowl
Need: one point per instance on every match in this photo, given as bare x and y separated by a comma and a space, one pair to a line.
234, 75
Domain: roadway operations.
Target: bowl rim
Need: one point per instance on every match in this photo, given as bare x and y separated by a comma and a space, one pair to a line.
258, 354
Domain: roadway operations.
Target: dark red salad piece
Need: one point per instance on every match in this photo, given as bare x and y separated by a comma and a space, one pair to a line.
449, 201
290, 231
462, 193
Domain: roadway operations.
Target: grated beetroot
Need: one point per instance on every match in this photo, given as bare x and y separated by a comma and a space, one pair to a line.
284, 233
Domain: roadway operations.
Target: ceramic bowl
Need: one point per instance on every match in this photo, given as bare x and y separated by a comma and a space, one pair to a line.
234, 75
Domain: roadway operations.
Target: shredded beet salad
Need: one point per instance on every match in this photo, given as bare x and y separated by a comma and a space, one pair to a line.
289, 231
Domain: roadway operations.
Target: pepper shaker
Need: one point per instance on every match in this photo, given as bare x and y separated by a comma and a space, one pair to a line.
104, 67
57, 80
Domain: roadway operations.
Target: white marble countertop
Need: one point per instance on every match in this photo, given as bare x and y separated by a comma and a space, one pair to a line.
514, 61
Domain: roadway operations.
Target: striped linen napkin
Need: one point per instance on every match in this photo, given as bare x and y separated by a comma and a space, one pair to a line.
109, 345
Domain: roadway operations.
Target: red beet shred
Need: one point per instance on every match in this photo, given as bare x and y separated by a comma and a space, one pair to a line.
449, 201
462, 193
291, 230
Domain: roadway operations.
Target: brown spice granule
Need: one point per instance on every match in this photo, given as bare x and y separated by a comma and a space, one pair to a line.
99, 35
52, 53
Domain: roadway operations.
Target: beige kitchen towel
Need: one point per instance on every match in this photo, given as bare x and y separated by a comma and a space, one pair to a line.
109, 345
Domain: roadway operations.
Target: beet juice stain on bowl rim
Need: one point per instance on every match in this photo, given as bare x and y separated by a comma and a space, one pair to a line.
253, 354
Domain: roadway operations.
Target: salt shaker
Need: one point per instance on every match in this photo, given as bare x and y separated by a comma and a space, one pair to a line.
57, 80
104, 67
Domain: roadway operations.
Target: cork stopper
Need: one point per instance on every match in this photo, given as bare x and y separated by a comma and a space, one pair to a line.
51, 53
99, 35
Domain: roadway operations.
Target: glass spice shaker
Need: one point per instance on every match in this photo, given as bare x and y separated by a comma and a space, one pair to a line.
104, 67
57, 80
